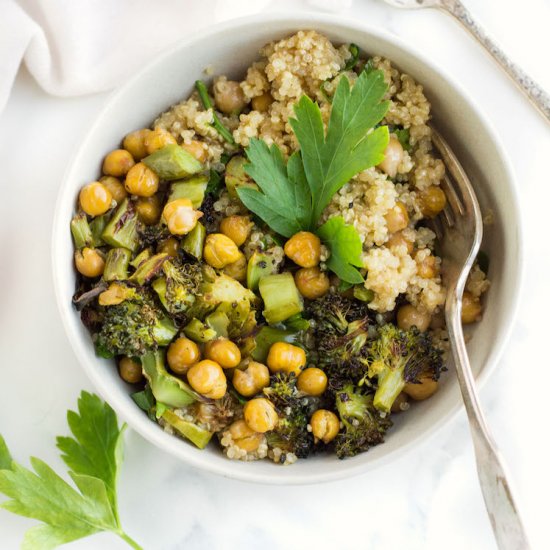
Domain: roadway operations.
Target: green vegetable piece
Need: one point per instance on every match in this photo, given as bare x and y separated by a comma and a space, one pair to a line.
97, 225
145, 254
297, 322
166, 388
81, 232
172, 162
216, 122
281, 297
164, 331
403, 135
197, 435
198, 331
116, 264
219, 322
121, 231
267, 336
193, 189
159, 286
149, 268
144, 399
193, 242
261, 264
236, 177
363, 294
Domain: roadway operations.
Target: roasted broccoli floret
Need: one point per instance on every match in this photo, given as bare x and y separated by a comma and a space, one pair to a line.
363, 425
398, 357
294, 410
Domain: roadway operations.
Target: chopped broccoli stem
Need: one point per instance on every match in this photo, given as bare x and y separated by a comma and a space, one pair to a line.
164, 331
116, 264
121, 231
236, 176
219, 322
281, 297
267, 336
97, 225
390, 384
172, 162
192, 189
80, 229
363, 294
149, 268
216, 122
141, 257
260, 265
196, 434
193, 243
159, 286
198, 332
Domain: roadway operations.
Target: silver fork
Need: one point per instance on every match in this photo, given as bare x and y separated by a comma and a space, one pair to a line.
536, 95
459, 229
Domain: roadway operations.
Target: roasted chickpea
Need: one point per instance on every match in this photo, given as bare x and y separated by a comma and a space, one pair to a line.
419, 392
89, 262
219, 250
393, 156
324, 425
398, 239
182, 355
262, 102
207, 378
408, 316
286, 357
311, 282
237, 269
141, 181
95, 199
134, 142
432, 201
197, 149
224, 352
180, 216
148, 209
117, 163
157, 139
401, 403
260, 415
244, 437
304, 249
426, 265
237, 228
130, 370
312, 381
252, 380
229, 96
114, 295
115, 187
471, 308
397, 218
169, 246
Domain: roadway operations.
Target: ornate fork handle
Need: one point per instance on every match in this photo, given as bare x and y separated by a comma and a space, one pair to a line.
538, 97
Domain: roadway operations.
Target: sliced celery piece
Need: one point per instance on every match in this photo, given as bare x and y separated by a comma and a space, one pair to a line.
281, 297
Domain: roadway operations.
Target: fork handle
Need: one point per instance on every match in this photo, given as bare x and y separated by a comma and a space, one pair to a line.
499, 501
538, 97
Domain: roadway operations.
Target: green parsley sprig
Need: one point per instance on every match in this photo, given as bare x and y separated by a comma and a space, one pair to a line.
292, 196
94, 455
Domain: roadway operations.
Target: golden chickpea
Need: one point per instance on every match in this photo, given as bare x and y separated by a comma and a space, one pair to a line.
260, 415
157, 139
89, 262
182, 355
397, 218
432, 201
114, 295
130, 370
115, 187
419, 392
207, 378
393, 156
262, 102
117, 163
219, 250
252, 380
180, 216
197, 149
285, 357
95, 199
401, 403
141, 181
224, 352
237, 269
426, 265
169, 246
325, 425
408, 316
304, 249
471, 308
311, 282
312, 381
237, 228
229, 96
244, 437
134, 142
398, 239
148, 209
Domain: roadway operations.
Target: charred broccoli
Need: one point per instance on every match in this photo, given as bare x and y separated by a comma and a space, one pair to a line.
398, 357
363, 425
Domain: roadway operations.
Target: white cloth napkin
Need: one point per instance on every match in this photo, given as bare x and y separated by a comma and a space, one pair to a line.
74, 47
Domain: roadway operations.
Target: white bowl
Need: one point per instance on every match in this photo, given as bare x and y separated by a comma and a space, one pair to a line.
230, 48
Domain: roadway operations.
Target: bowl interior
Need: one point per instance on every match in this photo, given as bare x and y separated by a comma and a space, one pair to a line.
230, 48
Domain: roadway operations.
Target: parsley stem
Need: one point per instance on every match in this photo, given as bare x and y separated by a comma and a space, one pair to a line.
129, 540
207, 104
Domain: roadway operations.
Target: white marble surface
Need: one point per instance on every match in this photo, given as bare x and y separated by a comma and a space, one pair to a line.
428, 499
